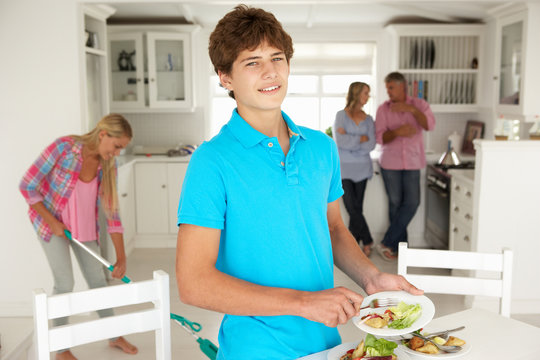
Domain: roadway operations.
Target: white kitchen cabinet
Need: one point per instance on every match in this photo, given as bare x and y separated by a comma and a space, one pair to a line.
517, 54
442, 63
126, 204
157, 187
461, 210
175, 178
94, 84
507, 214
151, 68
152, 198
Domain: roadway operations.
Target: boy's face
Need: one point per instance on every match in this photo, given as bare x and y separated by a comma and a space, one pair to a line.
259, 79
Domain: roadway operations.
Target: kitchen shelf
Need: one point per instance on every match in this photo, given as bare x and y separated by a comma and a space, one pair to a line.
441, 64
97, 52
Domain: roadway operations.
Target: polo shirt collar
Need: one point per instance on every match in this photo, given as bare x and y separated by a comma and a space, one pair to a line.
249, 137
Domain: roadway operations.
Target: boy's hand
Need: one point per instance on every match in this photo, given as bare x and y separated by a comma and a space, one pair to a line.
390, 282
331, 307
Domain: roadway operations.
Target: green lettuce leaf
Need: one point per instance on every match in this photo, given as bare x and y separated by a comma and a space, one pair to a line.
404, 315
378, 347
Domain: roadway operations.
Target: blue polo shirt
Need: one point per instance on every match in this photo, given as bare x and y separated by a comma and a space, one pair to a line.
271, 210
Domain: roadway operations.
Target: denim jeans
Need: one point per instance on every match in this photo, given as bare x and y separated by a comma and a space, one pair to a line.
354, 203
403, 190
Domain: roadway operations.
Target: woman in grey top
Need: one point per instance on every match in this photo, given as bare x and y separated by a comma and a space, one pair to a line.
354, 132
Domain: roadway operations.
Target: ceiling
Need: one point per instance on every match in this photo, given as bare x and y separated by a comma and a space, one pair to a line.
310, 14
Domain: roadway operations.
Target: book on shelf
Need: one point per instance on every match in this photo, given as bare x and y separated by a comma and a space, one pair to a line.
421, 89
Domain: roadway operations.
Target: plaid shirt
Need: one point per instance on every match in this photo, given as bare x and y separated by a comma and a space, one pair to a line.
52, 178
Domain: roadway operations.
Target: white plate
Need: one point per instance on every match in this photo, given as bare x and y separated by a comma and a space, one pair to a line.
428, 329
336, 352
428, 310
466, 348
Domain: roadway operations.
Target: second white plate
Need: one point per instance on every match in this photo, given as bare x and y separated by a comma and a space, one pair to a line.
337, 352
428, 310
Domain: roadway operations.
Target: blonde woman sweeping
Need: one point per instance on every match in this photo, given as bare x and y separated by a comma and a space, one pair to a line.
64, 188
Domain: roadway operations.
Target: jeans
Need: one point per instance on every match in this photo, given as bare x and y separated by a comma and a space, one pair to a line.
403, 190
354, 203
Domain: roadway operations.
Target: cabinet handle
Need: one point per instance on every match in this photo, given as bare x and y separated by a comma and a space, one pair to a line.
466, 238
456, 209
124, 195
468, 194
468, 217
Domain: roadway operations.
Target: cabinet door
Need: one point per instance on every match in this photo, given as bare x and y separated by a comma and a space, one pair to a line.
510, 52
376, 206
126, 202
169, 70
127, 70
176, 173
151, 198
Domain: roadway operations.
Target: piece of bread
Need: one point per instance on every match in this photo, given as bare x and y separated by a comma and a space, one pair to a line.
416, 342
376, 322
454, 341
428, 348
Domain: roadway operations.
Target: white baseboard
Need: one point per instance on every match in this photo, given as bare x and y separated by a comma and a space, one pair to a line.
155, 241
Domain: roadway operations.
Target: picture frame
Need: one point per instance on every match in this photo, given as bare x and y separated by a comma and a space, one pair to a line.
473, 130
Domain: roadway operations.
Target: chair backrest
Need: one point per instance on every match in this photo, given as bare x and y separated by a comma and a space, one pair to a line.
479, 283
156, 318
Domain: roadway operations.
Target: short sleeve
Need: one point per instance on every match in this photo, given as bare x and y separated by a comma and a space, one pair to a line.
203, 196
336, 189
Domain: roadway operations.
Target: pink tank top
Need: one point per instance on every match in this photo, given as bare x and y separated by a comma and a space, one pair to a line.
79, 215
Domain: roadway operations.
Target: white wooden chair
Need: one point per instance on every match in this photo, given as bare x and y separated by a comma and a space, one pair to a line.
463, 260
157, 318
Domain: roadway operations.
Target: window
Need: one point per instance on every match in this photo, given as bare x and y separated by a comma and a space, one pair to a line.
320, 77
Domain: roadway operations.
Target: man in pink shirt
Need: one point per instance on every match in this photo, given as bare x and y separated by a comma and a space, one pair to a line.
399, 127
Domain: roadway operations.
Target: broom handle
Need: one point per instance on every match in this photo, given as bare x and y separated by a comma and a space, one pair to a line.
96, 256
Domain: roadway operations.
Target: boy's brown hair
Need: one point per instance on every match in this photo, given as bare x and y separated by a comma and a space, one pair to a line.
245, 28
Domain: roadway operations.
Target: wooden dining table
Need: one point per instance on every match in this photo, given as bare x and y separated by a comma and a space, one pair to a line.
490, 335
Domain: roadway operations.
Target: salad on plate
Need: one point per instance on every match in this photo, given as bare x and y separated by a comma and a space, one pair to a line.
396, 317
372, 348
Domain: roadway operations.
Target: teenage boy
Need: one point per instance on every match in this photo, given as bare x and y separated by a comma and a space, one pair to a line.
260, 225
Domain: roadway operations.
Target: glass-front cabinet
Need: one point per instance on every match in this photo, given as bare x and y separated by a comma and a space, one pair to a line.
150, 70
517, 58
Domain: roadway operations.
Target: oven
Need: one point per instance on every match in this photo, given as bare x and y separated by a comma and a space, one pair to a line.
437, 204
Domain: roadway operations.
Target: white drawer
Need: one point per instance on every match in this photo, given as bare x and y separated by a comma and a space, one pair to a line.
460, 235
462, 211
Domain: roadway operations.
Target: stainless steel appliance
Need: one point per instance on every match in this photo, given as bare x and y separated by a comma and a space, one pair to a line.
437, 207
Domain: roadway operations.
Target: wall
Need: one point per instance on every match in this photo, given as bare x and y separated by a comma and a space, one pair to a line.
40, 101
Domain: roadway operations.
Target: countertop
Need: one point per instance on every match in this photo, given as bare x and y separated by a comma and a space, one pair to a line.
121, 160
127, 159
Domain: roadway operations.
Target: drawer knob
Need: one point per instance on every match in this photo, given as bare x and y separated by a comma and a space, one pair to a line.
466, 238
468, 194
457, 188
455, 229
456, 209
163, 186
468, 217
124, 195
